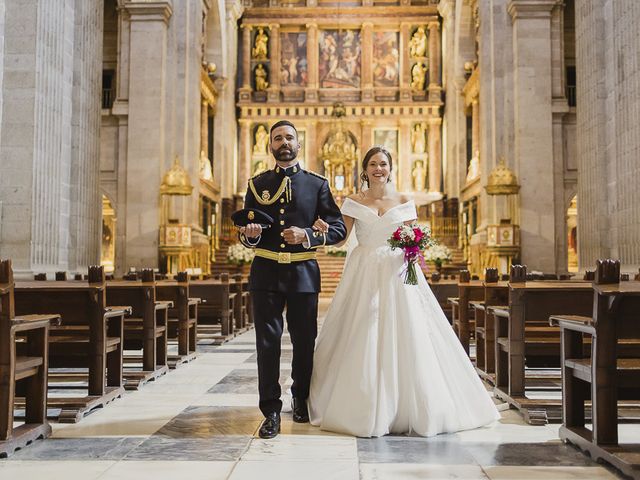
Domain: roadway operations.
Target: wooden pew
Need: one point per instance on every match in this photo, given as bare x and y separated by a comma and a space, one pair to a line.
240, 287
146, 329
26, 371
444, 289
216, 312
468, 290
183, 317
496, 293
606, 375
525, 340
90, 337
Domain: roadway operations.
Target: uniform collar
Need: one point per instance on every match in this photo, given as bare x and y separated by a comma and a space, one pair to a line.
289, 171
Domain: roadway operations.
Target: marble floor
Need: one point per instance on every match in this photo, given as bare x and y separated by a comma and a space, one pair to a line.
200, 422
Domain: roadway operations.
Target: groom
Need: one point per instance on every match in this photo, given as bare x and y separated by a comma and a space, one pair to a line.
285, 271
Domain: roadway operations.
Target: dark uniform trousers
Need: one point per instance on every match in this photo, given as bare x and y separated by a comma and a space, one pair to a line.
302, 313
292, 197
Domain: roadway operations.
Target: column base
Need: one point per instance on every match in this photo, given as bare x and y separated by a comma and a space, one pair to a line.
405, 94
367, 94
310, 95
244, 95
435, 93
273, 96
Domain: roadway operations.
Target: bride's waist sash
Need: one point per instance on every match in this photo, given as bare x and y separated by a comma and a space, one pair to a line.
285, 257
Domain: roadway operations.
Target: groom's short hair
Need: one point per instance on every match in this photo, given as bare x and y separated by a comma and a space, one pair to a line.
282, 123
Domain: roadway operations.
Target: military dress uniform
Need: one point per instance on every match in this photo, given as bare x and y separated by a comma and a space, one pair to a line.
283, 274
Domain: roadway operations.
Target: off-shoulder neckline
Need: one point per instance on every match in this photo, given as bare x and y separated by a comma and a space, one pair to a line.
373, 212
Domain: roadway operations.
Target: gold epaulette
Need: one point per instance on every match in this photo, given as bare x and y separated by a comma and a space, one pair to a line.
317, 175
260, 174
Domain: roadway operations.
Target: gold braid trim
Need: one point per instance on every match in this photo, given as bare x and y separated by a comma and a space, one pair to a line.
285, 187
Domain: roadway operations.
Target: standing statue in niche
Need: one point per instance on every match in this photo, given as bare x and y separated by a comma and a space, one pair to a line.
260, 49
262, 140
418, 77
206, 173
418, 43
418, 174
418, 137
261, 78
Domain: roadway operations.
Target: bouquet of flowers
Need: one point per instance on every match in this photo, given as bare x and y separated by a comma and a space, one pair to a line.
438, 254
412, 239
238, 254
336, 251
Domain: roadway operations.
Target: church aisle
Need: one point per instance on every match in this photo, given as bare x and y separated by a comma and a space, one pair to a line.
201, 422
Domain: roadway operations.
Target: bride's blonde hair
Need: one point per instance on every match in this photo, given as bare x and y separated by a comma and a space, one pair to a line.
364, 178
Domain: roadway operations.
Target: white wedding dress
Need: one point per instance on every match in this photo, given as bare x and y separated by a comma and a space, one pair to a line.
387, 360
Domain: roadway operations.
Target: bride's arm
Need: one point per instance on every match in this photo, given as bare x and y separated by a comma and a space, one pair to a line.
322, 226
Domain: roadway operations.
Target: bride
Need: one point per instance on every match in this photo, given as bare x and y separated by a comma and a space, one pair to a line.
387, 360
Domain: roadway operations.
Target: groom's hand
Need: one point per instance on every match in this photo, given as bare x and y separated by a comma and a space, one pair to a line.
295, 236
252, 230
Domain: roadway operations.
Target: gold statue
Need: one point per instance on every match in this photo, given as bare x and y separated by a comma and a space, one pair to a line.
418, 174
261, 78
418, 77
418, 137
260, 48
206, 173
418, 43
262, 140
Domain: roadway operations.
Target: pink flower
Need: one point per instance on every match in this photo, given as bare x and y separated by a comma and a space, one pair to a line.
418, 233
396, 235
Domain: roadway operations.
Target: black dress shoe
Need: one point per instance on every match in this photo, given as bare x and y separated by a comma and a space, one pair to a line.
300, 412
271, 426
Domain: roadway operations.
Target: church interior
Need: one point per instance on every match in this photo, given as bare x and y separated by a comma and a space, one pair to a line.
129, 130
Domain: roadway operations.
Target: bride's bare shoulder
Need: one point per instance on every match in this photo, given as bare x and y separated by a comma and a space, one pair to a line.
404, 198
356, 197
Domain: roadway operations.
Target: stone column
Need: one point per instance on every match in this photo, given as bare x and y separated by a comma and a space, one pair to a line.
435, 86
404, 157
435, 154
245, 90
146, 155
85, 225
274, 65
367, 61
244, 163
311, 92
533, 129
405, 62
35, 134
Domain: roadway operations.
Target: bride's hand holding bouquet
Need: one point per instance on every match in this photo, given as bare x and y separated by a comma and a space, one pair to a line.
412, 239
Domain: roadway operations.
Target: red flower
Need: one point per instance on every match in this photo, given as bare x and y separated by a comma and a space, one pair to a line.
396, 235
419, 234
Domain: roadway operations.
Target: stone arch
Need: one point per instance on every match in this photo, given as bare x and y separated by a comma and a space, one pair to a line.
214, 37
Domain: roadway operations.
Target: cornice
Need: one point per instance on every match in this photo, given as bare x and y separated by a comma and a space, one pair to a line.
531, 9
147, 11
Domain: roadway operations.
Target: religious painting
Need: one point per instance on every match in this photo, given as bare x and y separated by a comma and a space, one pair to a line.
339, 59
293, 59
386, 59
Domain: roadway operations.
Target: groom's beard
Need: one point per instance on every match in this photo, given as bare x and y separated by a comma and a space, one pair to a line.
285, 154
